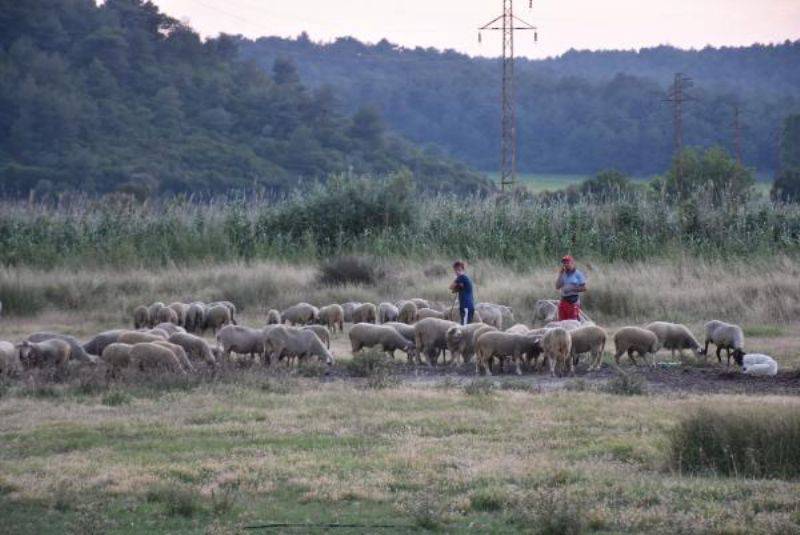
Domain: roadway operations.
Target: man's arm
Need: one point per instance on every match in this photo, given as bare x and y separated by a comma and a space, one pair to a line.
560, 279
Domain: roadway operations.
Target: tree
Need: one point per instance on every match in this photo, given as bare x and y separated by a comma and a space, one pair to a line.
368, 128
787, 185
712, 171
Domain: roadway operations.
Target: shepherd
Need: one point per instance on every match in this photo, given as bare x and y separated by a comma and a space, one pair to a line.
571, 283
463, 286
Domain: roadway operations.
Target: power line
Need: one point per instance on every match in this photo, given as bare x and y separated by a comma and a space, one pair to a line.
677, 95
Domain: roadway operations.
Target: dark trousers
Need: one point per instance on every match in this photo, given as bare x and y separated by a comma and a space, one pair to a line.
467, 314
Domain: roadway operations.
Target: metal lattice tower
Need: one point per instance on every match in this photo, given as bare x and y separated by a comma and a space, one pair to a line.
677, 95
508, 23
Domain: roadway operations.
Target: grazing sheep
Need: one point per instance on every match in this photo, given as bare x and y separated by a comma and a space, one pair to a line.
759, 365
461, 340
230, 306
180, 310
490, 314
96, 345
407, 312
195, 347
141, 317
557, 347
283, 341
725, 336
387, 312
421, 303
9, 359
454, 314
179, 353
321, 331
116, 356
332, 316
77, 353
407, 331
301, 313
242, 340
274, 317
170, 328
55, 352
502, 345
166, 315
365, 313
519, 328
217, 317
508, 315
152, 313
367, 335
348, 309
588, 339
155, 331
195, 317
675, 337
545, 311
636, 340
137, 337
153, 357
430, 338
423, 313
567, 325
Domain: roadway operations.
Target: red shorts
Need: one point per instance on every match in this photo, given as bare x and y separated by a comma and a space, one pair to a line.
569, 311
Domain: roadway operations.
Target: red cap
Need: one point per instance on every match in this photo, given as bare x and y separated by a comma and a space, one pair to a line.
567, 258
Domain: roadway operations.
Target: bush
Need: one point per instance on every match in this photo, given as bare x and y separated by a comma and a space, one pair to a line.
626, 384
369, 363
115, 398
312, 368
348, 270
178, 500
743, 442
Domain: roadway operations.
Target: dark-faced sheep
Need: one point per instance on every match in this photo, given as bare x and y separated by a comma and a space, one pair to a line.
332, 316
725, 336
300, 314
368, 335
503, 345
635, 340
53, 352
430, 338
365, 313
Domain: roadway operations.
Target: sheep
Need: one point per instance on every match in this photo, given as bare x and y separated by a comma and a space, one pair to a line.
407, 312
387, 312
461, 339
545, 311
274, 317
348, 309
454, 314
725, 336
179, 353
217, 316
421, 303
365, 313
166, 315
557, 347
508, 315
430, 338
332, 316
242, 340
77, 353
567, 325
155, 331
96, 345
674, 336
54, 352
500, 345
137, 337
116, 356
9, 359
588, 339
490, 314
407, 331
152, 312
759, 365
180, 310
230, 306
636, 340
367, 335
195, 317
149, 356
322, 332
423, 313
290, 342
195, 347
170, 328
141, 317
301, 313
519, 328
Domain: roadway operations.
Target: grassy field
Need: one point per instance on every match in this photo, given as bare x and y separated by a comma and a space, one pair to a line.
247, 447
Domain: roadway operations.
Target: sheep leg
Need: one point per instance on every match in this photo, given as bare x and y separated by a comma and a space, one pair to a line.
551, 362
617, 356
630, 356
719, 354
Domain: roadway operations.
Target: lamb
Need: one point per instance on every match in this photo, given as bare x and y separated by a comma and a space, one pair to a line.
365, 313
588, 339
77, 353
227, 304
636, 340
179, 353
461, 339
180, 310
674, 336
195, 317
423, 313
286, 341
367, 335
725, 336
217, 317
348, 308
759, 365
116, 356
430, 337
407, 312
96, 345
387, 312
148, 356
406, 331
557, 347
137, 337
195, 347
274, 317
242, 340
301, 313
141, 318
9, 359
501, 345
54, 352
322, 332
166, 315
490, 314
332, 316
152, 312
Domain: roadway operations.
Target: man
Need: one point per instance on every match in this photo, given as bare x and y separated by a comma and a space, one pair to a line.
571, 283
463, 286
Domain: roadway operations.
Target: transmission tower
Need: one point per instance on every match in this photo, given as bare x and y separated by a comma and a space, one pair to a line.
737, 133
508, 23
678, 94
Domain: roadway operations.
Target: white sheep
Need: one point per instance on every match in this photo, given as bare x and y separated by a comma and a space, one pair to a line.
636, 340
675, 337
387, 312
368, 335
557, 347
9, 359
332, 316
725, 336
589, 339
759, 365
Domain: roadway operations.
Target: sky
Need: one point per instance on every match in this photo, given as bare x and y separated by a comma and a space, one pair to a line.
562, 24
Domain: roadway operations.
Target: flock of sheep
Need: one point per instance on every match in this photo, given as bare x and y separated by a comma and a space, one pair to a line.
171, 338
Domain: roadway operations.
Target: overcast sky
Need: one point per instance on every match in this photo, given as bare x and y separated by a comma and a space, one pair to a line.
563, 24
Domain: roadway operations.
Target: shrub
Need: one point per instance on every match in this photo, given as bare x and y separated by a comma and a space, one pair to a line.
312, 368
625, 384
743, 441
178, 500
115, 398
369, 363
348, 270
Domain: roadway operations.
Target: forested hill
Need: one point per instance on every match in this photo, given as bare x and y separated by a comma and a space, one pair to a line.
120, 96
578, 113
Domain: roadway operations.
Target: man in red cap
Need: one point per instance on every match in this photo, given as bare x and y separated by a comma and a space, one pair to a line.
571, 283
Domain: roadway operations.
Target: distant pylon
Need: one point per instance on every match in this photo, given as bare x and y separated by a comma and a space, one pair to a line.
508, 23
678, 94
737, 133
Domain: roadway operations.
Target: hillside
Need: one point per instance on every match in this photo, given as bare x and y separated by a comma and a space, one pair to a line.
121, 96
578, 113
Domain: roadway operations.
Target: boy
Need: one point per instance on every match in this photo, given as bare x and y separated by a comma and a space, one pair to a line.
571, 283
463, 286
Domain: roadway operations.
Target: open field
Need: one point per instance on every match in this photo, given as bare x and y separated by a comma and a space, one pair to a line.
425, 449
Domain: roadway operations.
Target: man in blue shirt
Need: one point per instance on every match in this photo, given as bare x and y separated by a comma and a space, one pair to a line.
571, 283
462, 285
